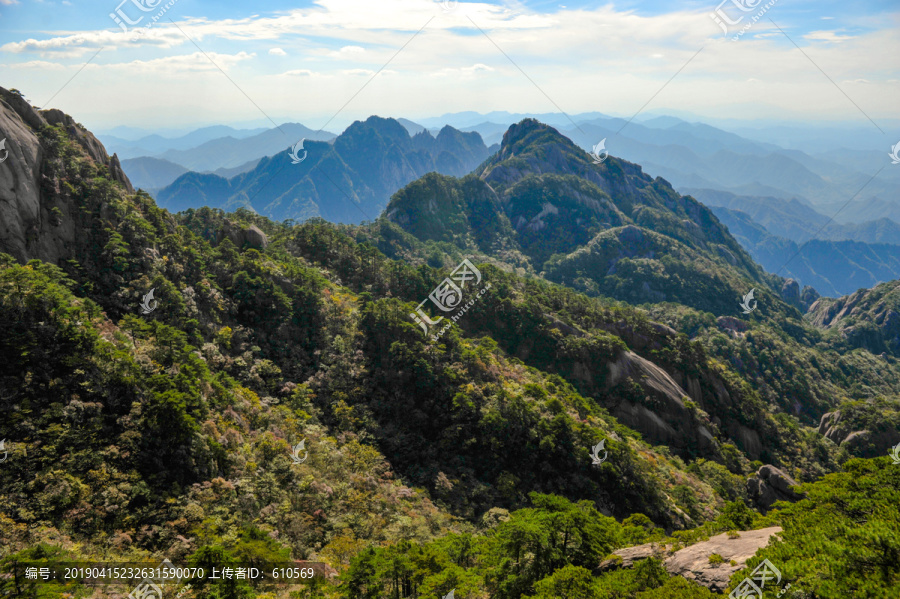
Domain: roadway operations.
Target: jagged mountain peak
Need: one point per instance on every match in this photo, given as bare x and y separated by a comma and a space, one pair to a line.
574, 219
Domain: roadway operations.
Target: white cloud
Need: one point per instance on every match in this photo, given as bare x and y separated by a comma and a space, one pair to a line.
298, 73
366, 72
826, 36
345, 53
584, 59
181, 64
36, 65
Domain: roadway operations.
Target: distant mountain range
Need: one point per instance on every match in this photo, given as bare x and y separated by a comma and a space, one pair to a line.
151, 174
152, 145
833, 268
690, 155
798, 221
348, 180
230, 152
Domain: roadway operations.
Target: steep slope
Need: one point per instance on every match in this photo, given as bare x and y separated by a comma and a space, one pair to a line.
241, 352
349, 180
39, 216
141, 428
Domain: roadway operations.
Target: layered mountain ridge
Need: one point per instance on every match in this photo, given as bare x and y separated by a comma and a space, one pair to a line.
589, 226
346, 180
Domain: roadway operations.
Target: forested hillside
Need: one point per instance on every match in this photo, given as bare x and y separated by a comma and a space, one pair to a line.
162, 427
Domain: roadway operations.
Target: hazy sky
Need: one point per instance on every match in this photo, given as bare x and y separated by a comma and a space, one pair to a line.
303, 61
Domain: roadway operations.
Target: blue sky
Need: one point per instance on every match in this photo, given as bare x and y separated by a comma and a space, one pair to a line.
304, 61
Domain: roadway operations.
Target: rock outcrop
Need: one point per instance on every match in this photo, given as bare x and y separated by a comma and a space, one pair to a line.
693, 562
790, 293
669, 421
808, 297
769, 485
868, 319
242, 237
37, 218
863, 442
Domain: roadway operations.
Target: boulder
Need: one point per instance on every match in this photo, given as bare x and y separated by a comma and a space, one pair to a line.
242, 237
769, 485
693, 562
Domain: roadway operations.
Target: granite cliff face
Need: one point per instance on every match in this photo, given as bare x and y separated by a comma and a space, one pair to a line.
38, 214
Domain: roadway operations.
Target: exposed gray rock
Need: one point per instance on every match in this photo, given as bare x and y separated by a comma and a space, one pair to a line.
829, 427
250, 236
790, 293
769, 485
37, 218
730, 323
90, 144
669, 421
808, 297
693, 562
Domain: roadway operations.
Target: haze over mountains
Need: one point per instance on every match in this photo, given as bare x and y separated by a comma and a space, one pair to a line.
784, 194
347, 180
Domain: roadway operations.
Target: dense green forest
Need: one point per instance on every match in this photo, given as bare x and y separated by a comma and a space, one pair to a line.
462, 464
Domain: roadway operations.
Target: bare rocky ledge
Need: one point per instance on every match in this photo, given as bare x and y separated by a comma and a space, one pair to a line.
693, 562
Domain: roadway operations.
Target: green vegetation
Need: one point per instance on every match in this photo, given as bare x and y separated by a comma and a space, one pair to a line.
460, 464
